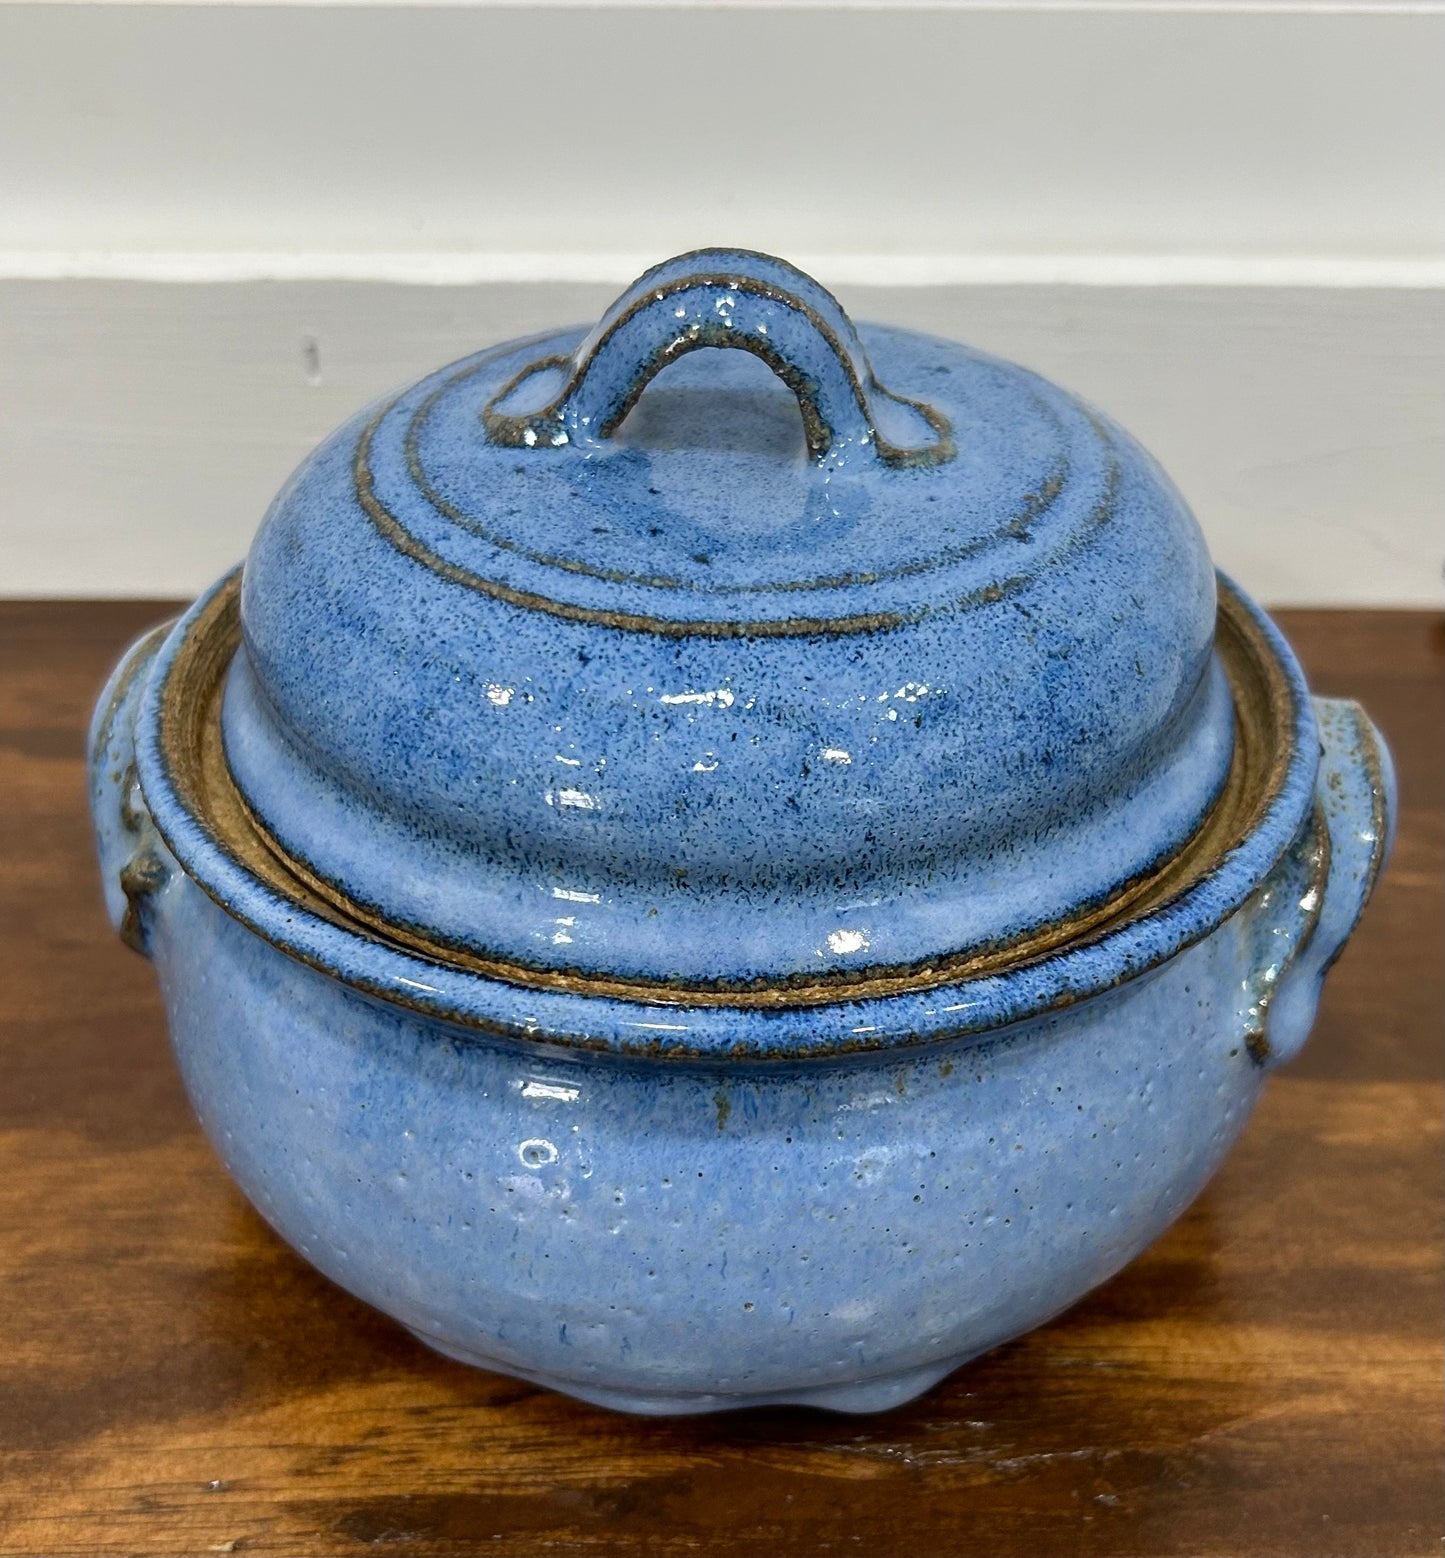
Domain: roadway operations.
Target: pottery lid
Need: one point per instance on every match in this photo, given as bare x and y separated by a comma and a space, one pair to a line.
588, 656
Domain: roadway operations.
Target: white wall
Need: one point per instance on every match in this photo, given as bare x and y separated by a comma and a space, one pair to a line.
818, 130
1225, 225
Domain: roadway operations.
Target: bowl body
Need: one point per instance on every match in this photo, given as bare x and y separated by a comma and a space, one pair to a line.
665, 1237
665, 1232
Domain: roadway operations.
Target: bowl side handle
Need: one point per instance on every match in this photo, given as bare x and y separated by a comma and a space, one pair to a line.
133, 863
1355, 798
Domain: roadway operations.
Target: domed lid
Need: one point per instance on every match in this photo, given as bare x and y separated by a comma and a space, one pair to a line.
561, 672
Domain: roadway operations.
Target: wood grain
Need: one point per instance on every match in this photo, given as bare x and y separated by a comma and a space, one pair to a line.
1265, 1381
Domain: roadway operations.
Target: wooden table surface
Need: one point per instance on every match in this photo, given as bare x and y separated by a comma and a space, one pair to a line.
1266, 1380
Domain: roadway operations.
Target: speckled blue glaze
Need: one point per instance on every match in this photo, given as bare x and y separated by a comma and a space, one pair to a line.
648, 1201
665, 1235
491, 759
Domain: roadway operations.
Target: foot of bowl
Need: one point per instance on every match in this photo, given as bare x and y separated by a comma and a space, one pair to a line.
872, 1395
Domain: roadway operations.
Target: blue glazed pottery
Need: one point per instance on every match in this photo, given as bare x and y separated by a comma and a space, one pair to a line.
712, 878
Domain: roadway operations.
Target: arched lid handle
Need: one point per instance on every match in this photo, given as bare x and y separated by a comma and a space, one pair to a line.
729, 298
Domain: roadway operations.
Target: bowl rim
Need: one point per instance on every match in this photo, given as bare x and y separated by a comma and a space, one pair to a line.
204, 824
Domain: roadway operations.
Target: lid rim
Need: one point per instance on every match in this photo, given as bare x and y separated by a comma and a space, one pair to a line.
175, 782
811, 988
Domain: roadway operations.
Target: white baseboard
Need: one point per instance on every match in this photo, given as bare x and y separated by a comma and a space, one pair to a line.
145, 425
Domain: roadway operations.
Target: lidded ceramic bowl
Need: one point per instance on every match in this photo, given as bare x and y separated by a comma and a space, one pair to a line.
711, 729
